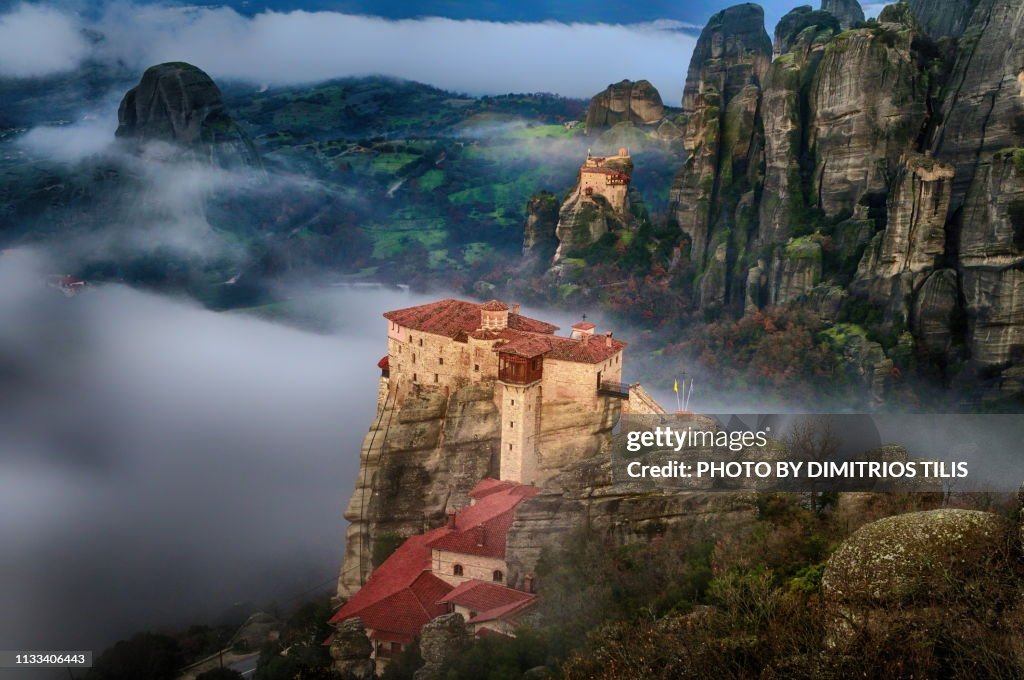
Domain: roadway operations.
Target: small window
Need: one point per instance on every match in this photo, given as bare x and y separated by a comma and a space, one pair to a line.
410, 337
511, 423
509, 447
421, 342
476, 367
440, 361
435, 377
414, 377
513, 402
457, 570
498, 576
414, 357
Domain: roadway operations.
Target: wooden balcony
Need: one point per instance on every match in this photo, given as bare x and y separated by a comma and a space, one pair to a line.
613, 389
519, 370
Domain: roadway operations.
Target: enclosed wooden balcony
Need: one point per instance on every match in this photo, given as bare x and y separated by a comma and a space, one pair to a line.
519, 370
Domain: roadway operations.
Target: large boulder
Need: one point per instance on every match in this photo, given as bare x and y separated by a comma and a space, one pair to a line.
180, 104
441, 640
917, 558
636, 102
351, 650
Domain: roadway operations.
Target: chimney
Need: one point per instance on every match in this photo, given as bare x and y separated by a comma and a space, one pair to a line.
608, 339
528, 583
515, 308
451, 519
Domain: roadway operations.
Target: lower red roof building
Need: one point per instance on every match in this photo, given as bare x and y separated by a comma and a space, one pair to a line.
458, 567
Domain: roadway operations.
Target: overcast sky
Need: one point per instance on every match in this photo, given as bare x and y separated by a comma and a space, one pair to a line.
273, 48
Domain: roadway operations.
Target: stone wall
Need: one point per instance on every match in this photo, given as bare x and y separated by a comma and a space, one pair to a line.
473, 566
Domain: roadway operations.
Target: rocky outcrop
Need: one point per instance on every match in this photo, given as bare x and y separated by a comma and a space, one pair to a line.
584, 218
179, 104
941, 18
636, 102
847, 12
918, 561
722, 133
783, 110
539, 240
983, 111
418, 461
800, 270
351, 650
901, 257
935, 314
868, 103
585, 496
440, 641
790, 26
992, 260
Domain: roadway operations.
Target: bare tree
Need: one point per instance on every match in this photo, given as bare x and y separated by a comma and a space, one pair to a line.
813, 439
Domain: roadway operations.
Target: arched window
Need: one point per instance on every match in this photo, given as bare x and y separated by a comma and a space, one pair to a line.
498, 576
457, 570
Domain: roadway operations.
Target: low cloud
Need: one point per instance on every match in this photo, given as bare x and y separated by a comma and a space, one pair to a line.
36, 40
478, 57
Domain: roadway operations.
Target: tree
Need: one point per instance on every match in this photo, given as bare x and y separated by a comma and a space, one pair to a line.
813, 439
145, 655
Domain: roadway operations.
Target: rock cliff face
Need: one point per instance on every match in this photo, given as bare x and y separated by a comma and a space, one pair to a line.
847, 12
869, 104
983, 111
178, 103
418, 462
941, 18
539, 240
636, 102
872, 166
723, 136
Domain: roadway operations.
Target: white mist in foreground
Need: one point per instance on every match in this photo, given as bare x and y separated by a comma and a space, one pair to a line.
160, 463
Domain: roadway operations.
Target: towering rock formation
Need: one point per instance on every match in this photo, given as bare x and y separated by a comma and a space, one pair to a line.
848, 12
721, 101
984, 108
178, 103
636, 102
539, 240
941, 18
992, 264
869, 104
796, 21
598, 204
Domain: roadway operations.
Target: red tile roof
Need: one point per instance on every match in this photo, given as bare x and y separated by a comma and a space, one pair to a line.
485, 632
583, 326
524, 336
494, 306
504, 611
401, 594
589, 350
482, 528
484, 597
489, 485
383, 363
453, 317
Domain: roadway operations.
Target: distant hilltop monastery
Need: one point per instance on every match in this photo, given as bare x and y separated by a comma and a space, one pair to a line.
449, 343
604, 176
